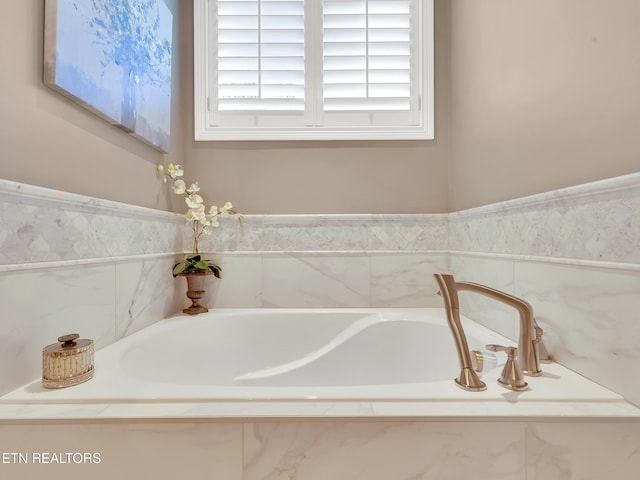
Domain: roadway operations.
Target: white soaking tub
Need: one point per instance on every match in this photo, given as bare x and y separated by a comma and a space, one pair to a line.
311, 394
302, 354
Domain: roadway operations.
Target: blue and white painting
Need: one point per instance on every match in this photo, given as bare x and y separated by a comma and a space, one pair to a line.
114, 58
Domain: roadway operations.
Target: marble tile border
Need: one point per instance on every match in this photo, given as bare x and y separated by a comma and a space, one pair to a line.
595, 222
85, 261
44, 225
549, 260
598, 221
289, 233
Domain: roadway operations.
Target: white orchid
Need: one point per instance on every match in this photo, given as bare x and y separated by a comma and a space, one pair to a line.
179, 187
202, 221
194, 201
196, 212
175, 171
224, 211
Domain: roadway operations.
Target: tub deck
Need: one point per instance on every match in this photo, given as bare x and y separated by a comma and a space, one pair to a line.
114, 393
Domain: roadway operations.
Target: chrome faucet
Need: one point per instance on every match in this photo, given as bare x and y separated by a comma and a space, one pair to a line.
528, 342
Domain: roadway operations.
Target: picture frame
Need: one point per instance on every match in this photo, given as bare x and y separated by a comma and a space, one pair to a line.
114, 59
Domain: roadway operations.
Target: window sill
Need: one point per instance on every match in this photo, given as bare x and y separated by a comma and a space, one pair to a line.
252, 134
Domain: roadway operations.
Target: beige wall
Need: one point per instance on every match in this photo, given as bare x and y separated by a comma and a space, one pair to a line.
536, 96
544, 95
49, 141
327, 177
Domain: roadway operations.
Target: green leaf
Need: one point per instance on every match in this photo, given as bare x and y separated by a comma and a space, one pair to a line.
194, 264
216, 270
201, 265
179, 268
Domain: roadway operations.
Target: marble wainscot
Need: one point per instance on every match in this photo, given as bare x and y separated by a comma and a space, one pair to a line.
71, 263
583, 292
574, 254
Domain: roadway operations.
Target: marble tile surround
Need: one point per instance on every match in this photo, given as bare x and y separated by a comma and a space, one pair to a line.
121, 253
70, 263
589, 315
573, 254
584, 284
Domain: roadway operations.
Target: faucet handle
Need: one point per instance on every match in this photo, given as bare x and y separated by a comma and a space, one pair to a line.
492, 347
543, 353
511, 376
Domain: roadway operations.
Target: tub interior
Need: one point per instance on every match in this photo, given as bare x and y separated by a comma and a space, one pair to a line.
242, 355
279, 350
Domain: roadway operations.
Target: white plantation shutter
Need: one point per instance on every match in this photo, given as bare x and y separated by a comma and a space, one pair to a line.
295, 69
367, 61
260, 61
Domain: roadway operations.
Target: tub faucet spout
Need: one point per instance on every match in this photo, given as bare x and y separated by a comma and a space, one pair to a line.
468, 379
530, 332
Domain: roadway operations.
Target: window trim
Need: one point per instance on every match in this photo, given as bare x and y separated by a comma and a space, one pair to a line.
203, 131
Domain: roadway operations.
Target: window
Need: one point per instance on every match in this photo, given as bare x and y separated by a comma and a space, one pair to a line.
314, 69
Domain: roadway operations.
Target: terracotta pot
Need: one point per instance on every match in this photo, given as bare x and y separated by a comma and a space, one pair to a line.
195, 291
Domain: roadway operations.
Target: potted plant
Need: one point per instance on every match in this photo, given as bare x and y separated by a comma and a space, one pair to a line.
194, 268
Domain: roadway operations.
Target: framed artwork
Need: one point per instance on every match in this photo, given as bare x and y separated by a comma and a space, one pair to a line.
113, 57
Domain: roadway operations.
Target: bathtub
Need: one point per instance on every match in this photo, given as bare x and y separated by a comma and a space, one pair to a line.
299, 355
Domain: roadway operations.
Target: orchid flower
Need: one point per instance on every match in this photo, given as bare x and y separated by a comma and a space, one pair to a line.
201, 221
